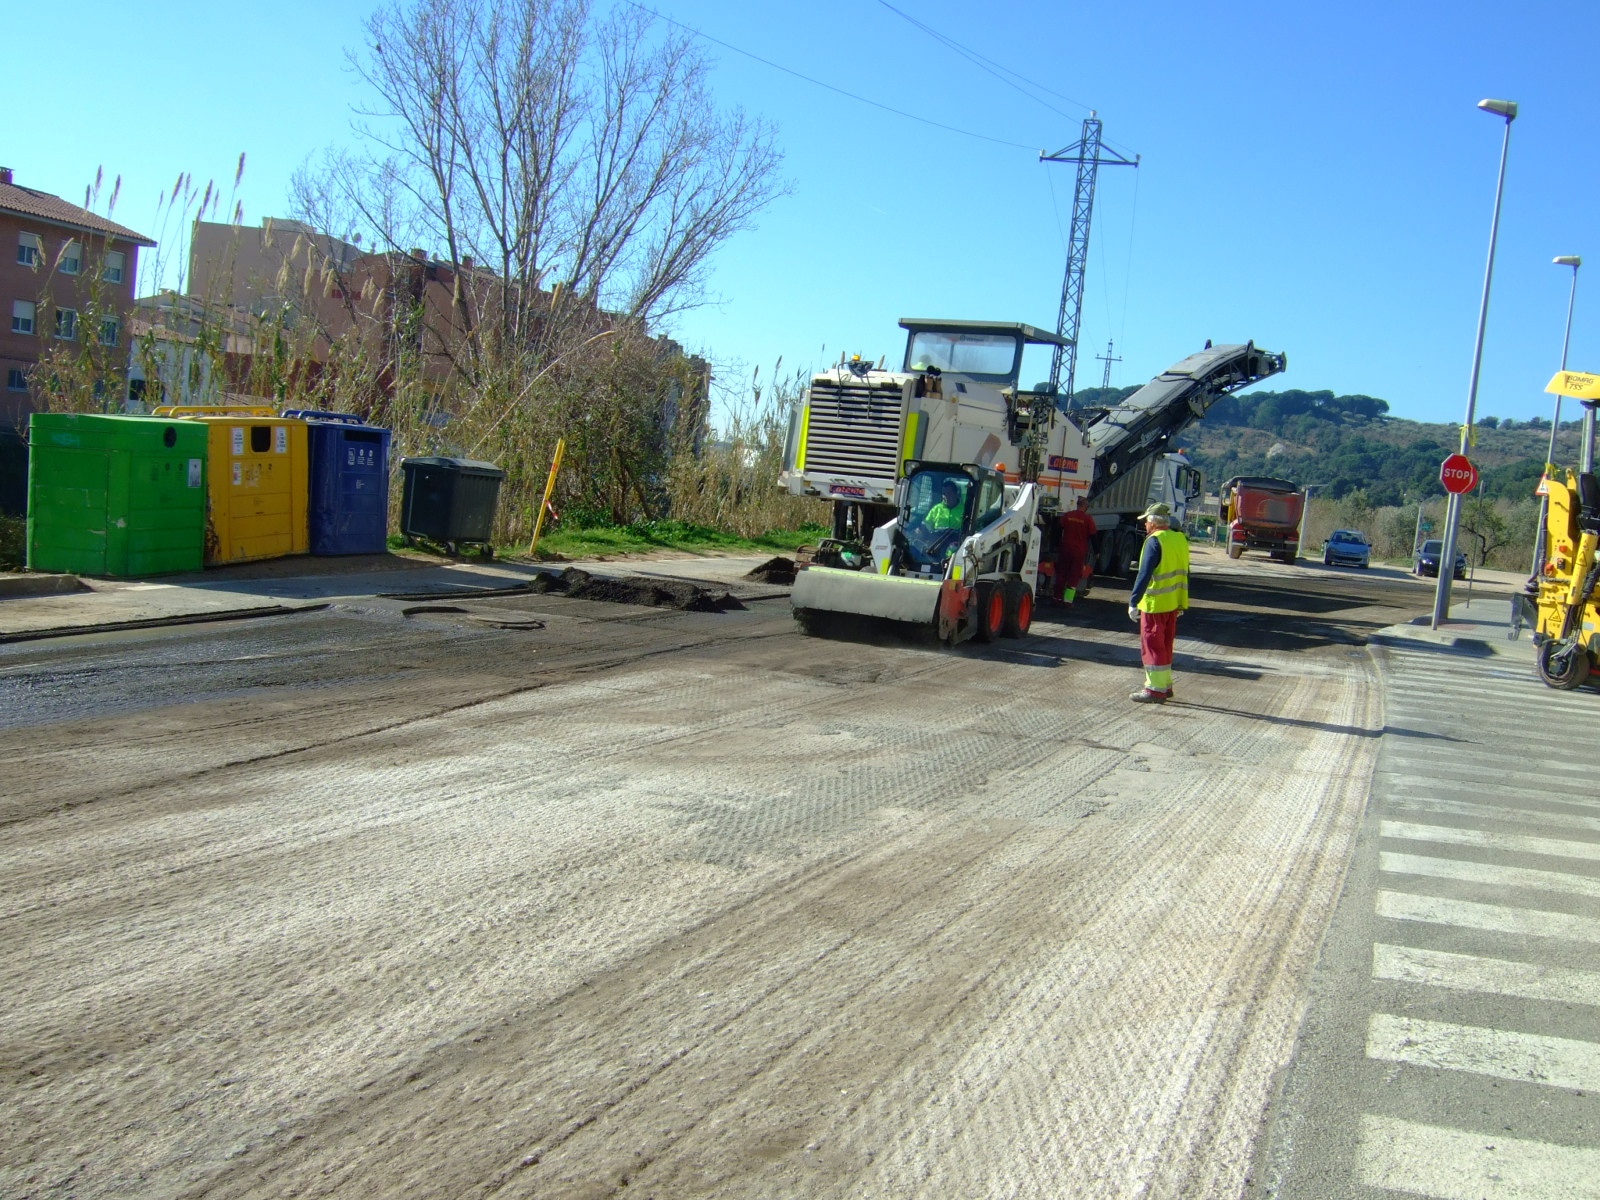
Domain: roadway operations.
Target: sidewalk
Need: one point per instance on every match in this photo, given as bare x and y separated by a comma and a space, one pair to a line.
36, 606
1449, 1049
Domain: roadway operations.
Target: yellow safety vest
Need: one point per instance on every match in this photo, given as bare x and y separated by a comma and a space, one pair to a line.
1169, 587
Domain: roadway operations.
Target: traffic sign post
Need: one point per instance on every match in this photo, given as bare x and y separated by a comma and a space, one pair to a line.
1458, 474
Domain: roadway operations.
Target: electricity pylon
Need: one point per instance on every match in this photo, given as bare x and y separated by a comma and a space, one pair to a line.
1090, 154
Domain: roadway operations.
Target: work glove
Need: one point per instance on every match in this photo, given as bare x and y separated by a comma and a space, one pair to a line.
1133, 614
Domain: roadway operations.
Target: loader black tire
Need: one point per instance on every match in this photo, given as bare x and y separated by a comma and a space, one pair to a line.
990, 599
1562, 663
1019, 609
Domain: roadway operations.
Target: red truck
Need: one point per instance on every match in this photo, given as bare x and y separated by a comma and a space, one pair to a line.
1263, 514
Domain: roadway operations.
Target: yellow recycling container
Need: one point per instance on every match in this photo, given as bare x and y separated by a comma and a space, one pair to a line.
257, 482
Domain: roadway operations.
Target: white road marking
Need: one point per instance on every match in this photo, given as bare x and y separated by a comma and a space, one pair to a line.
1517, 842
1498, 918
1499, 1053
1488, 873
1498, 976
1495, 812
1457, 1164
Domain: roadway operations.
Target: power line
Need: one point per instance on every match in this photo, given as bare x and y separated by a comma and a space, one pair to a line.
988, 65
819, 83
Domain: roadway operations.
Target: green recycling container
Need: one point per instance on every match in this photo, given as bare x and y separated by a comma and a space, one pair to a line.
113, 495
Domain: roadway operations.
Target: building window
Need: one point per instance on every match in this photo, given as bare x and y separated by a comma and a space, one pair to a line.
116, 263
109, 331
71, 258
22, 315
28, 247
16, 380
66, 323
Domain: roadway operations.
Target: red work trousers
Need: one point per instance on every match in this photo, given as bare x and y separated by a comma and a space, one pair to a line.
1157, 633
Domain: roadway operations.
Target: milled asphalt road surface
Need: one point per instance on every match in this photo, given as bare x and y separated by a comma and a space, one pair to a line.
533, 896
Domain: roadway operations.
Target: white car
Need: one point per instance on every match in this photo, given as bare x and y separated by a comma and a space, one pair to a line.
1347, 548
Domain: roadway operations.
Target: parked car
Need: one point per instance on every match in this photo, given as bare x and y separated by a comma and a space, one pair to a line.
1426, 561
1347, 548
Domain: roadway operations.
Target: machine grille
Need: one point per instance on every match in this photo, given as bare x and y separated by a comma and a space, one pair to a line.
854, 428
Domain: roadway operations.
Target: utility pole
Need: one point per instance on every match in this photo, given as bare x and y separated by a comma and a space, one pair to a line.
1105, 381
1089, 154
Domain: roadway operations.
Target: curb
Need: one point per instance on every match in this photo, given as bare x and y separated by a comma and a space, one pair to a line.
238, 614
28, 583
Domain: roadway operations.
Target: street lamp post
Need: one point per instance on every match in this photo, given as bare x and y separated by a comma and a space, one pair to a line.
1452, 518
1305, 511
1541, 537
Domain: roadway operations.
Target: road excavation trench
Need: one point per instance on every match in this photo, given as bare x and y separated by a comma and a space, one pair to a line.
610, 899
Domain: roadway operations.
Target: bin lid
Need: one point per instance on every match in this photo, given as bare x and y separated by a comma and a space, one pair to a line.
328, 418
464, 466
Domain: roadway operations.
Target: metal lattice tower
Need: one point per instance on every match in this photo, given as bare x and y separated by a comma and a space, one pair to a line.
1108, 360
1090, 155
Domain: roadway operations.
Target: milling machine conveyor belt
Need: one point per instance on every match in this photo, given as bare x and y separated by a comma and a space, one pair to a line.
1145, 423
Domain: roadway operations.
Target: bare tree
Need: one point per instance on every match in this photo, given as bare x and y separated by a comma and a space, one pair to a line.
581, 159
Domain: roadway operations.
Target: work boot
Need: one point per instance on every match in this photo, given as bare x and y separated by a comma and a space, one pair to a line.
1146, 696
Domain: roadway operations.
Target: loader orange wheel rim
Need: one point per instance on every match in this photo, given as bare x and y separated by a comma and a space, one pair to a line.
1024, 612
997, 609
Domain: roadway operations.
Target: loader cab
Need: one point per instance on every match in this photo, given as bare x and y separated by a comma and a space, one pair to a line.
940, 506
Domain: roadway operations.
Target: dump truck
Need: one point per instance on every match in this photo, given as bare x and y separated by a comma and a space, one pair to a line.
1559, 601
959, 559
956, 397
1262, 513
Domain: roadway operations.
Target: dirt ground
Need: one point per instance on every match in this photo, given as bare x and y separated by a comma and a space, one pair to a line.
549, 897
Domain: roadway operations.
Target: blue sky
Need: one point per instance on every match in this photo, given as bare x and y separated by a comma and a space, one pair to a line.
1314, 177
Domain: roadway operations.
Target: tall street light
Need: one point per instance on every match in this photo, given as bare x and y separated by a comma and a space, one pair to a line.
1452, 517
1540, 543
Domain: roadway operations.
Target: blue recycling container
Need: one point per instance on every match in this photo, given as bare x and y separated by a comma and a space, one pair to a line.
348, 509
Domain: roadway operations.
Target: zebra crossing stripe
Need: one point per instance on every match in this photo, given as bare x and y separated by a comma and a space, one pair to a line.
1496, 812
1497, 918
1498, 1053
1488, 873
1458, 1164
1516, 842
1402, 781
1500, 977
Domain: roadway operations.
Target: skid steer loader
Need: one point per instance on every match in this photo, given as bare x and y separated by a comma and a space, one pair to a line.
960, 559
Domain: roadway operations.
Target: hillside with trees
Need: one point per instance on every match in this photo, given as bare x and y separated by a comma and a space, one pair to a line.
1373, 471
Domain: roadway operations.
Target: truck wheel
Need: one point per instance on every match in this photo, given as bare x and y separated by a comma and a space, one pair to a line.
1562, 663
991, 602
1235, 551
1019, 609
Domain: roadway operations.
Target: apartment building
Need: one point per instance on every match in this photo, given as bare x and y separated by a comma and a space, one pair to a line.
66, 280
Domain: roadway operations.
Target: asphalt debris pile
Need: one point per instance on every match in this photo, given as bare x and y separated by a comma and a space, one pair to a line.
774, 570
633, 589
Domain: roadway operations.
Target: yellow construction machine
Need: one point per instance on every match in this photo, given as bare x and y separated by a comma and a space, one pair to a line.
1559, 600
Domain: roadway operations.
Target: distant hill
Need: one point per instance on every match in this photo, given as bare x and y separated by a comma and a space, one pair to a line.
1349, 443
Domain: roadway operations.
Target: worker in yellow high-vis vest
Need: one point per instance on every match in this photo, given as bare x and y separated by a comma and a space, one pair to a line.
1159, 597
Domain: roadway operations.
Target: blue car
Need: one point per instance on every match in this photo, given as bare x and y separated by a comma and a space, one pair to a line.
1347, 548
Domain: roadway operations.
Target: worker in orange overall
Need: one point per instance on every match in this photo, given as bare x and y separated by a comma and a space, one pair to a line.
1159, 596
1072, 551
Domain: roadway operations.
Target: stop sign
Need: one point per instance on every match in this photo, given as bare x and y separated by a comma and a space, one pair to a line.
1458, 474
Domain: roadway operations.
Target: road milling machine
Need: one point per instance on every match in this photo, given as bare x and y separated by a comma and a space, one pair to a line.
955, 406
1559, 601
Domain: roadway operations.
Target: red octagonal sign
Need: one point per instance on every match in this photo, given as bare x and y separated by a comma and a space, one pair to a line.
1458, 474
